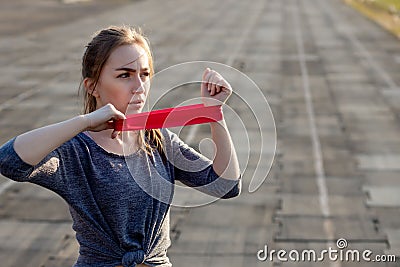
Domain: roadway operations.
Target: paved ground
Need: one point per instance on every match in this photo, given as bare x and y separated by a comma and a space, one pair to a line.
330, 76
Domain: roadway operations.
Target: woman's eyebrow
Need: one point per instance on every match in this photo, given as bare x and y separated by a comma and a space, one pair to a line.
125, 69
130, 69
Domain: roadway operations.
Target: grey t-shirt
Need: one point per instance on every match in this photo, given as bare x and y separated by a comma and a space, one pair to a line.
119, 204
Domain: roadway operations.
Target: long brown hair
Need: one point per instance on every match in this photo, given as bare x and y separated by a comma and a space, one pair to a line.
97, 52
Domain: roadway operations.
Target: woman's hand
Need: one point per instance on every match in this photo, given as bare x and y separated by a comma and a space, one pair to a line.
102, 119
215, 90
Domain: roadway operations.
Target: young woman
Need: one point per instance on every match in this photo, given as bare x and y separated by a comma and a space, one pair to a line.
84, 159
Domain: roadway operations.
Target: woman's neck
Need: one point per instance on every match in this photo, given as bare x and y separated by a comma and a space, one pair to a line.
125, 143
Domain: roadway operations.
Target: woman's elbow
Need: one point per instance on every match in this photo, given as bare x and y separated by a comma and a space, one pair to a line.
235, 191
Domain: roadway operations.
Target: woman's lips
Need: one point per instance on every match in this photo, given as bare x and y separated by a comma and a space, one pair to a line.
136, 104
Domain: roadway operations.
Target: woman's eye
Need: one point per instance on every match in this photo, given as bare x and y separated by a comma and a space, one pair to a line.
124, 75
145, 74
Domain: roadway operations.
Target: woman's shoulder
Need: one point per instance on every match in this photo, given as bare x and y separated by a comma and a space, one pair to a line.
165, 132
169, 136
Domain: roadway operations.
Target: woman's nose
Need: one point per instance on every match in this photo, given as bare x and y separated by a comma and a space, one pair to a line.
138, 86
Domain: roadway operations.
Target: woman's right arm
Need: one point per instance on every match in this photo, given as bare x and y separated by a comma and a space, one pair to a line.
35, 145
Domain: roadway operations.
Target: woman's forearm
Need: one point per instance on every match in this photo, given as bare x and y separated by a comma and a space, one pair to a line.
35, 145
225, 163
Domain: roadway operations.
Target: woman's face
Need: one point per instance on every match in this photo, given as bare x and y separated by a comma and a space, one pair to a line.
124, 80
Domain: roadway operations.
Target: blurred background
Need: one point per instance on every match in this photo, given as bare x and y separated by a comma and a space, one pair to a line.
329, 71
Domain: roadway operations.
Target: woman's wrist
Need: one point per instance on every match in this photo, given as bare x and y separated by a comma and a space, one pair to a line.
85, 122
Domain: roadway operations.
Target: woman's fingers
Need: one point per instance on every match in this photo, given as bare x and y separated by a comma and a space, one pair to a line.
215, 87
114, 134
116, 115
211, 78
204, 79
214, 80
207, 79
102, 118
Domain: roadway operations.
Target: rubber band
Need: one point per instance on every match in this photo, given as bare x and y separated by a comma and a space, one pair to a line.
170, 117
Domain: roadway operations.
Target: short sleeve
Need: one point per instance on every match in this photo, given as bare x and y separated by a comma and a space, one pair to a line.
195, 170
49, 173
11, 165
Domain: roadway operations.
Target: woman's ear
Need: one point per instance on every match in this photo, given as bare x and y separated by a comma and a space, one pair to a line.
90, 87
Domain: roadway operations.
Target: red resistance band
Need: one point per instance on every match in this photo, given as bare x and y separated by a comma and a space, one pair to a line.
170, 117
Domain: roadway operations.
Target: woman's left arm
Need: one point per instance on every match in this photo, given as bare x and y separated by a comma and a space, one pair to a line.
215, 90
225, 163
